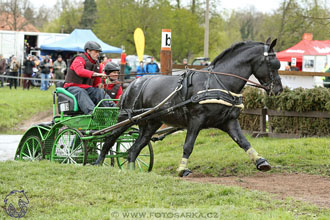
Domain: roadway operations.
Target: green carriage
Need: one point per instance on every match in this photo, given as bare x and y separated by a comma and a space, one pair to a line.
68, 137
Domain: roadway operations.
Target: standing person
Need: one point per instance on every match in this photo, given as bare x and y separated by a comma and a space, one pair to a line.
152, 67
28, 71
294, 68
112, 85
45, 67
104, 60
13, 71
127, 71
140, 70
326, 80
59, 68
2, 69
83, 79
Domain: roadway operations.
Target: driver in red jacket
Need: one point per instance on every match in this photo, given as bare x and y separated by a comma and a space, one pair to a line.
83, 79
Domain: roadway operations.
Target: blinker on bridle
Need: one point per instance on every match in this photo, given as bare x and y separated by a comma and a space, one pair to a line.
270, 84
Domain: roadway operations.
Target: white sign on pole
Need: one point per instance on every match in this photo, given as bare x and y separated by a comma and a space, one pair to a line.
166, 39
293, 61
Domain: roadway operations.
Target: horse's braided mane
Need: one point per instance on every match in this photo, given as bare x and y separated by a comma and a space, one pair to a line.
233, 48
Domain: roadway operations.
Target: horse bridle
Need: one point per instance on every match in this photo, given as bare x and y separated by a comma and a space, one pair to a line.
270, 84
267, 86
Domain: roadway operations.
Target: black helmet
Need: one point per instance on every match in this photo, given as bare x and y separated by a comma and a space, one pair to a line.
92, 45
111, 66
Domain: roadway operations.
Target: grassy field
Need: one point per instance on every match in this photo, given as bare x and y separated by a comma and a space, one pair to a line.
74, 192
216, 154
18, 105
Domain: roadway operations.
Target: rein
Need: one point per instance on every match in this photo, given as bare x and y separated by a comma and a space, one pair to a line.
267, 86
230, 74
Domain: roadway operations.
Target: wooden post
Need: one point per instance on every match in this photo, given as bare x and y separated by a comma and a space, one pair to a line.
263, 120
166, 53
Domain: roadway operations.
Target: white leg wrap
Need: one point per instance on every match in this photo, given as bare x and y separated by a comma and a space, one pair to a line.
253, 154
183, 165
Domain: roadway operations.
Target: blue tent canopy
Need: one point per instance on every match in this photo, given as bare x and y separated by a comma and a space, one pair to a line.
76, 41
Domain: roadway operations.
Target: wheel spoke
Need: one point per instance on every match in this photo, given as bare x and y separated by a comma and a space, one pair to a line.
123, 163
65, 152
25, 155
139, 165
73, 160
28, 147
64, 160
33, 148
63, 140
78, 148
144, 163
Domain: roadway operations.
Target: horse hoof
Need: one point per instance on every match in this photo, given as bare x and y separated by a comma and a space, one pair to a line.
99, 161
96, 163
131, 166
263, 165
184, 173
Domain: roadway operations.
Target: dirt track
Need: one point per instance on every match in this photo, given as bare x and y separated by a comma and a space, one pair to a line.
309, 188
45, 116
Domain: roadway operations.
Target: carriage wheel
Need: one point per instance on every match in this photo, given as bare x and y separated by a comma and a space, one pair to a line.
69, 147
31, 149
94, 150
145, 160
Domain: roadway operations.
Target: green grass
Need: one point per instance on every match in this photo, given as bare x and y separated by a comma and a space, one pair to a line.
18, 105
74, 192
216, 154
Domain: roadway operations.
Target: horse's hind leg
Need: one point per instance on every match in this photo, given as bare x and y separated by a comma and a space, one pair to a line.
109, 142
233, 128
146, 130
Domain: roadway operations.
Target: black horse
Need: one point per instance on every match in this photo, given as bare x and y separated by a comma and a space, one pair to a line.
213, 100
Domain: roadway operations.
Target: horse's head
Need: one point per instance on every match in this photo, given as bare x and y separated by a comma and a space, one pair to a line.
266, 69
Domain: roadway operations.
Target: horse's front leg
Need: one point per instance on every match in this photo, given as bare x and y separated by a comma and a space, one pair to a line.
234, 130
192, 133
110, 141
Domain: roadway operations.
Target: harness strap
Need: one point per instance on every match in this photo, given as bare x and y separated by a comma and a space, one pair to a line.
233, 75
140, 92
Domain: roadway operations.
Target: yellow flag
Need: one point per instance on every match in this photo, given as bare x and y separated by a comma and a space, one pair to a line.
139, 43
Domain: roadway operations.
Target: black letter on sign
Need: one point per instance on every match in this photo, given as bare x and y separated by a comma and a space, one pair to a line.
167, 41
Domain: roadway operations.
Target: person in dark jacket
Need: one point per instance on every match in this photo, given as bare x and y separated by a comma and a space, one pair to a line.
112, 85
45, 67
83, 79
326, 81
2, 69
13, 71
28, 71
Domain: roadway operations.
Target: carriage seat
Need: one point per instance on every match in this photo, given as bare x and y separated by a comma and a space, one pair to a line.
67, 102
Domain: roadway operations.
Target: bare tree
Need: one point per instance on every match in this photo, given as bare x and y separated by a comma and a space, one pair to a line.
12, 13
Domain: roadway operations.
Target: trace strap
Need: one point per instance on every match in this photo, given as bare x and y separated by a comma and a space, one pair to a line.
136, 118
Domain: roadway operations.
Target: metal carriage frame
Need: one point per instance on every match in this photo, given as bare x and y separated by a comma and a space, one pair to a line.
68, 138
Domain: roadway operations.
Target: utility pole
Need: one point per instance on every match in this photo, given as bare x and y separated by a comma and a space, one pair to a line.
206, 34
